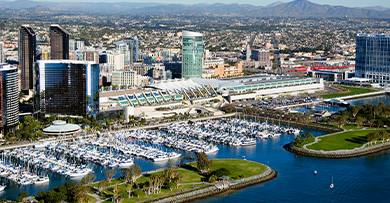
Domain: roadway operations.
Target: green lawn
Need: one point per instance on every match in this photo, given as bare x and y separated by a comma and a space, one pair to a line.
345, 140
239, 167
235, 166
90, 199
351, 126
353, 91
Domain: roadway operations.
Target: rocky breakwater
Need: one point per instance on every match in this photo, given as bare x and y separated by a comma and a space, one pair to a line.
337, 154
220, 187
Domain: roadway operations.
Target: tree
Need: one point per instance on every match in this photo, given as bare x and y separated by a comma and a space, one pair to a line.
54, 197
371, 122
190, 158
88, 179
102, 185
213, 178
221, 172
229, 108
171, 185
80, 192
126, 175
341, 120
115, 193
129, 187
181, 160
372, 137
171, 174
360, 121
109, 174
23, 194
137, 192
355, 110
203, 163
135, 172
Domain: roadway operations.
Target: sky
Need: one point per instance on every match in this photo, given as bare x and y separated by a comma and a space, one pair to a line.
347, 3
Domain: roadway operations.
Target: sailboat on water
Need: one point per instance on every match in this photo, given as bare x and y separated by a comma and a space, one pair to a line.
331, 185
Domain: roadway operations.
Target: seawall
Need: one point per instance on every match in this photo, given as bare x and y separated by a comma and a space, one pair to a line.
340, 154
221, 187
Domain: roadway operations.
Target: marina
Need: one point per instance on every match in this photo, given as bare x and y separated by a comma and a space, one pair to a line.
356, 172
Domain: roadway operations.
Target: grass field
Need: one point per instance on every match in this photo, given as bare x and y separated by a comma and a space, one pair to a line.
353, 91
239, 167
345, 140
236, 168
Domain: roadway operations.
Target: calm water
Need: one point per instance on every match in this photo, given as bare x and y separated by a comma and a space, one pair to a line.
357, 102
363, 179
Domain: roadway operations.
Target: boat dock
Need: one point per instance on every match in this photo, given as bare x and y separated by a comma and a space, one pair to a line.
66, 138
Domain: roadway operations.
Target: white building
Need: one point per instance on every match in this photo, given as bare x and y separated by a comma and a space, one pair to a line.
126, 77
213, 62
118, 59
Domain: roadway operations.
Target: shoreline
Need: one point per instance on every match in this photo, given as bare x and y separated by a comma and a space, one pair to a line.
220, 187
345, 154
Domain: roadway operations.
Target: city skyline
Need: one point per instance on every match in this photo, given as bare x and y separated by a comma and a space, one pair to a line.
346, 3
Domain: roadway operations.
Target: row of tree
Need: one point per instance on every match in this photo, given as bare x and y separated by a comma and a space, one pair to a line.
374, 137
300, 139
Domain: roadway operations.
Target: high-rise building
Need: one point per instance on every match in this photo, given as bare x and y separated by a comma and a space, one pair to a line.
192, 52
91, 55
59, 40
116, 59
27, 46
2, 59
9, 102
123, 48
133, 50
69, 87
262, 56
372, 57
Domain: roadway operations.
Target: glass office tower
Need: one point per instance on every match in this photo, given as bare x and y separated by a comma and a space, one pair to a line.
59, 42
192, 51
69, 87
373, 57
133, 50
27, 45
9, 101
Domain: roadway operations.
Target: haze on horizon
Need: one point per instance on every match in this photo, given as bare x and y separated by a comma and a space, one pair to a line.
346, 3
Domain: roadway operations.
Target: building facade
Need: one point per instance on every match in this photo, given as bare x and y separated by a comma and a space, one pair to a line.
192, 52
117, 59
68, 87
126, 77
90, 55
373, 57
9, 102
262, 56
59, 42
27, 46
133, 50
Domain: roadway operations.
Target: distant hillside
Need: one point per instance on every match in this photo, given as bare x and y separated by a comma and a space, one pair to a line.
297, 8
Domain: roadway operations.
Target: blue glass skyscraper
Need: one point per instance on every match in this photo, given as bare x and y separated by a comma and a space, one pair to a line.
373, 57
192, 51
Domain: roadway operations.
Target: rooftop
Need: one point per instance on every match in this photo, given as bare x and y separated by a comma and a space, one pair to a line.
60, 126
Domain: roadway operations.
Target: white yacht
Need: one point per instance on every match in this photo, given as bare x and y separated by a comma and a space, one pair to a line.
2, 187
42, 180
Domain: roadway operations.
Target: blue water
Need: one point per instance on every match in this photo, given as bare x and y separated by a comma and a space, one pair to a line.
363, 179
358, 102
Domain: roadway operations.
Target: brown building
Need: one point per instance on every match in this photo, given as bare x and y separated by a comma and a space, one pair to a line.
59, 40
222, 71
27, 56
